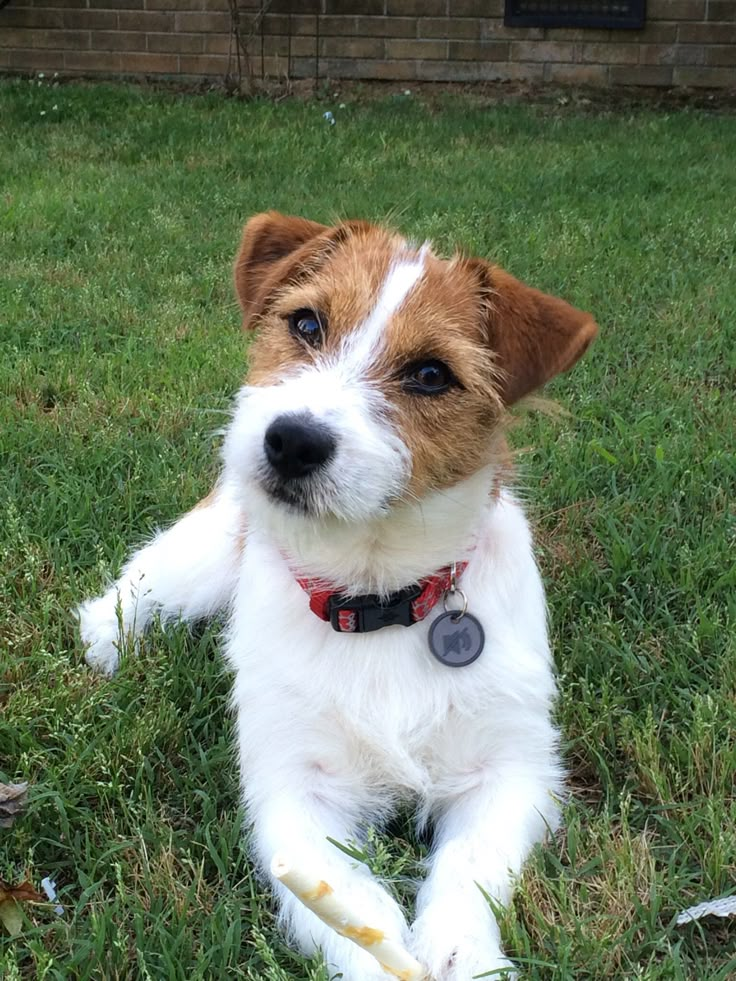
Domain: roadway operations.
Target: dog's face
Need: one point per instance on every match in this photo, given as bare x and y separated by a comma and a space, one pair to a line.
379, 372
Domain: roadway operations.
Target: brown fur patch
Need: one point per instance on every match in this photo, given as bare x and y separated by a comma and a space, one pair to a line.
449, 434
534, 336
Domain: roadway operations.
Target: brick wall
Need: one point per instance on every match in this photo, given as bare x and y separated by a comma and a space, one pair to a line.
685, 42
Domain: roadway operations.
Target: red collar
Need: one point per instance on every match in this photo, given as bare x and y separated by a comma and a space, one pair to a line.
362, 614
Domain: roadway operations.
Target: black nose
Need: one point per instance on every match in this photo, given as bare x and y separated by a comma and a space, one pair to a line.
296, 445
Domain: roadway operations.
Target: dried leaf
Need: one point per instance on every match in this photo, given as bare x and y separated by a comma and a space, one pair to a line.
24, 893
13, 798
11, 918
10, 899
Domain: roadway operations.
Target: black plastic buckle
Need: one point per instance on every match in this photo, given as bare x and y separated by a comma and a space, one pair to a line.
372, 613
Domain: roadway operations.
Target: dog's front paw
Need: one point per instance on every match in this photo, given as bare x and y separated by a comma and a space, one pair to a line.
99, 628
455, 951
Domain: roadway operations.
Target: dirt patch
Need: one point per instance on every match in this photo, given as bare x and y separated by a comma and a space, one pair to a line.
594, 100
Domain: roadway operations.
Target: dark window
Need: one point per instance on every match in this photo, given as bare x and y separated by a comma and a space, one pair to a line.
575, 13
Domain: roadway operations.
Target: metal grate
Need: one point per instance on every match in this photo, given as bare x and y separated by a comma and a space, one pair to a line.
575, 13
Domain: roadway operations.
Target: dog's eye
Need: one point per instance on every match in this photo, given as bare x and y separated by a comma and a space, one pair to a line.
428, 378
307, 325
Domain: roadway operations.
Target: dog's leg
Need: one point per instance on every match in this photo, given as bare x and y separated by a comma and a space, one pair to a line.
187, 572
298, 825
482, 839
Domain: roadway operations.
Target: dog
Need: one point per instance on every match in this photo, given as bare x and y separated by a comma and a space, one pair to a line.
387, 621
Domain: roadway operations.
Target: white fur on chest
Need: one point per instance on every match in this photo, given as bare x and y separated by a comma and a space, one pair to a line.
378, 707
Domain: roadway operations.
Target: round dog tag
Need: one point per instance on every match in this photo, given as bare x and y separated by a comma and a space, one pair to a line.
456, 639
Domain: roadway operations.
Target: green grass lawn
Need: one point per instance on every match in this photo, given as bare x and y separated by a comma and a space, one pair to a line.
120, 211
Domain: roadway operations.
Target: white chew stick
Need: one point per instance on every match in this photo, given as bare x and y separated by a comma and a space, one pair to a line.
336, 912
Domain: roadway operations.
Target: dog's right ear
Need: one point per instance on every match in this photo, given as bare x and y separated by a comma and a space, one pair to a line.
269, 248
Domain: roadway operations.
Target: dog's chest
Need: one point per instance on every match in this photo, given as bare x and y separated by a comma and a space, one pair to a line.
377, 706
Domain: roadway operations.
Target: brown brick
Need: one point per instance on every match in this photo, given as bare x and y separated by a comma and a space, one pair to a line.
282, 47
191, 22
176, 43
542, 51
721, 10
375, 69
300, 68
415, 49
148, 63
203, 64
145, 20
285, 6
25, 59
116, 4
220, 44
654, 32
449, 27
703, 77
707, 33
671, 54
306, 47
476, 8
118, 41
32, 17
92, 61
641, 74
721, 54
386, 26
477, 71
307, 24
493, 30
91, 20
279, 24
14, 38
479, 50
191, 5
374, 7
70, 4
22, 38
349, 47
577, 74
611, 54
416, 8
275, 46
268, 68
340, 25
676, 9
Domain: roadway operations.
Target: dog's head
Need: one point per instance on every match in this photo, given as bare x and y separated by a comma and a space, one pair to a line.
379, 371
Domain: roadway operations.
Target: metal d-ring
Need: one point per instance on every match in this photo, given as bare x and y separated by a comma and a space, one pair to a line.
459, 613
454, 591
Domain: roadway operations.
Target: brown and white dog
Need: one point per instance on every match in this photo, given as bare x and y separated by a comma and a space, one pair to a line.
362, 484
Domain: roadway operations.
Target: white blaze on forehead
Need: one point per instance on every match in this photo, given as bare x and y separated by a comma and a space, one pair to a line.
402, 277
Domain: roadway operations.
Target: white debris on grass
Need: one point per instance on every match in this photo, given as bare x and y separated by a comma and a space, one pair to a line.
49, 888
725, 906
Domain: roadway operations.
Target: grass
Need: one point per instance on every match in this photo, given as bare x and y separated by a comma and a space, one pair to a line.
120, 212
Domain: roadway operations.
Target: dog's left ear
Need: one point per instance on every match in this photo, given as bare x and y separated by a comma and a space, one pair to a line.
533, 336
269, 247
